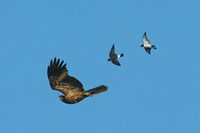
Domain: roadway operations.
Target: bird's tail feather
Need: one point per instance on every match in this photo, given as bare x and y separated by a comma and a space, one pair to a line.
96, 90
154, 47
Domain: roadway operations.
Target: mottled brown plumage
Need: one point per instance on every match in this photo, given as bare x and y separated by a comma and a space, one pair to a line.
72, 88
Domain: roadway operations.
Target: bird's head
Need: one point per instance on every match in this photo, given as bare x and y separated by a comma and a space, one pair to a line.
109, 59
121, 55
61, 98
142, 45
65, 100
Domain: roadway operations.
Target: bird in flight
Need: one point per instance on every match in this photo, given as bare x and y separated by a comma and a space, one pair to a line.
71, 87
113, 57
146, 44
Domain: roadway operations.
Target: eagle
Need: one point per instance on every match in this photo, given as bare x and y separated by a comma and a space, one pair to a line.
72, 88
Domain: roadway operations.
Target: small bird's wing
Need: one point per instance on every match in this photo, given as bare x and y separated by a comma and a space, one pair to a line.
112, 51
148, 50
59, 79
116, 62
145, 39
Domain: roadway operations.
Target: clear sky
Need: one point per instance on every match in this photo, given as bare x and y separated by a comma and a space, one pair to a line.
157, 93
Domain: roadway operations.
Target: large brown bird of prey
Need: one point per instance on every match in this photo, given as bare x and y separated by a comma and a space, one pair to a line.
71, 88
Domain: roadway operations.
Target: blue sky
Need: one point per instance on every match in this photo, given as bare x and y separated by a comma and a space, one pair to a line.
157, 93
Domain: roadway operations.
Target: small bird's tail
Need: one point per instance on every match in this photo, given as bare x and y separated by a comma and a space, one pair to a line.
96, 90
154, 47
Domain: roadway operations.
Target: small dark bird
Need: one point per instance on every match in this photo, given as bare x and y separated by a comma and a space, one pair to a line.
71, 88
113, 57
146, 44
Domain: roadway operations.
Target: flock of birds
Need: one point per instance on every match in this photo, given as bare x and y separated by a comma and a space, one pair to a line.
71, 87
113, 57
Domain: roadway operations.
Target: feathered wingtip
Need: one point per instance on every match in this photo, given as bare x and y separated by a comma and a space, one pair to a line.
56, 67
97, 90
56, 71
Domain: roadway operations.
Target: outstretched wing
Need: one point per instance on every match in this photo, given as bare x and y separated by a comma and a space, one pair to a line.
59, 78
112, 51
145, 39
116, 62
